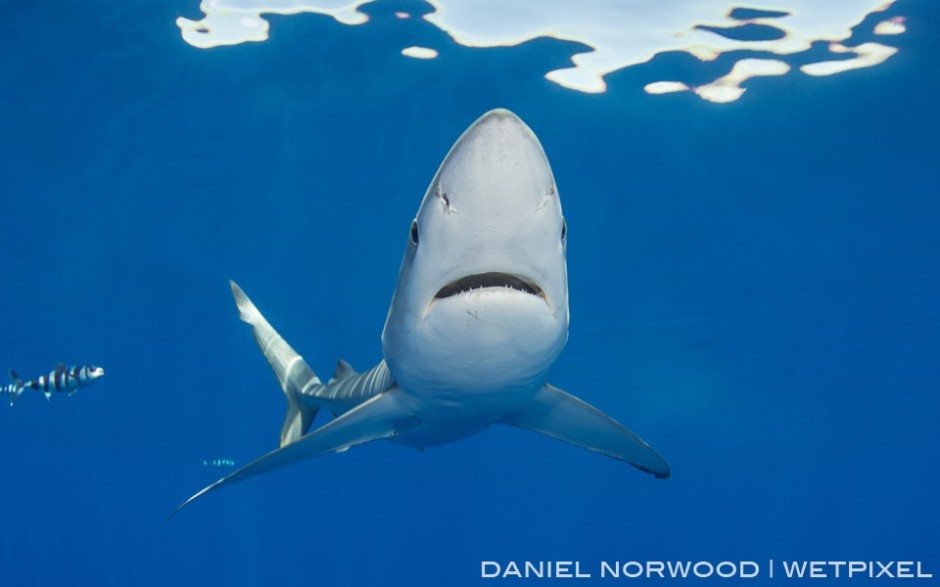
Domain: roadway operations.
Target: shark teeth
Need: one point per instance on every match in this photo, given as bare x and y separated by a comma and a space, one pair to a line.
487, 280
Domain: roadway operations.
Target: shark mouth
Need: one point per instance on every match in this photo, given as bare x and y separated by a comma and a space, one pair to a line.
484, 280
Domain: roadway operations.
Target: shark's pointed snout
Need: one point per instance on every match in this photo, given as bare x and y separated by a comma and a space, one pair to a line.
497, 165
499, 127
499, 115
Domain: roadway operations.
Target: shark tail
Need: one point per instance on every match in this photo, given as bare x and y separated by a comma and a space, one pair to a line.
293, 373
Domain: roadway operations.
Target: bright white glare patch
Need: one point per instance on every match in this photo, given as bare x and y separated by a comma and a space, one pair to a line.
665, 87
866, 55
615, 34
728, 88
231, 22
892, 26
419, 52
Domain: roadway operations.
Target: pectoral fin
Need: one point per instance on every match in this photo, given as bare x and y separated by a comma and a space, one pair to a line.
383, 416
561, 415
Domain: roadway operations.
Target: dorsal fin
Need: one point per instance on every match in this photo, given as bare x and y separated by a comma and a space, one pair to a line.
343, 369
59, 368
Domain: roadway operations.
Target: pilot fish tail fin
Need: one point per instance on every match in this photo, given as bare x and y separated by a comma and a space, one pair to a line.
561, 415
16, 378
291, 370
15, 389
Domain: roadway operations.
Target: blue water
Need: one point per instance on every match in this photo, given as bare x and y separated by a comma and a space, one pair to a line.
754, 290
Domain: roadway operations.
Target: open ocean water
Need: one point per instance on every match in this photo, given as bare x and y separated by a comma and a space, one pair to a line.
754, 290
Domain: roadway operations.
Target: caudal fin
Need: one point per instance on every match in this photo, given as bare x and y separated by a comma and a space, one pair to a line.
291, 370
16, 389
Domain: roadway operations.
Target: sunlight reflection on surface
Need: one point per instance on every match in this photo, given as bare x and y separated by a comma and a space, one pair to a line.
620, 34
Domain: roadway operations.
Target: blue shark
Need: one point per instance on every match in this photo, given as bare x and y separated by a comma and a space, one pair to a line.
478, 318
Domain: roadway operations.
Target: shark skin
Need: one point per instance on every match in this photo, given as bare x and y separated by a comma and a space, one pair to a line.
478, 317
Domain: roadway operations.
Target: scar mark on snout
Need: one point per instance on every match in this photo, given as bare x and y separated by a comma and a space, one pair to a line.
446, 201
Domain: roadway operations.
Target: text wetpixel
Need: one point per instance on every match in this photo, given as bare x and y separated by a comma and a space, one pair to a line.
854, 569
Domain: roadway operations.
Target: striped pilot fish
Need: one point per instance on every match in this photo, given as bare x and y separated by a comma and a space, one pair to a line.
61, 379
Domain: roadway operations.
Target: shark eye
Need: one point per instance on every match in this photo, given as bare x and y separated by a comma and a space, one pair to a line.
564, 230
414, 232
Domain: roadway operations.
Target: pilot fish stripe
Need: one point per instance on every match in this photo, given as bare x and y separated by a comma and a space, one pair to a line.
58, 380
55, 381
64, 378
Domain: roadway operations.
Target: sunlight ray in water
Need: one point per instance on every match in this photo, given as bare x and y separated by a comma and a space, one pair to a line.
618, 34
